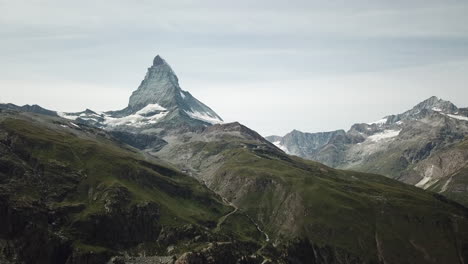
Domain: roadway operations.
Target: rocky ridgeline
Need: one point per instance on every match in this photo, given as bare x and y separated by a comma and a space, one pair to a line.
403, 146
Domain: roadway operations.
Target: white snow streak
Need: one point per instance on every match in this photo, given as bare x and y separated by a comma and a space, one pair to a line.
386, 134
444, 188
423, 183
203, 117
459, 117
150, 108
67, 116
135, 120
379, 122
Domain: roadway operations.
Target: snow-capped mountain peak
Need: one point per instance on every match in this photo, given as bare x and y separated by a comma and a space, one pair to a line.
158, 98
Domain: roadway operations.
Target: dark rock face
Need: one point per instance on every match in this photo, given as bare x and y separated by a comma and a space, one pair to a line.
158, 61
139, 141
25, 236
122, 228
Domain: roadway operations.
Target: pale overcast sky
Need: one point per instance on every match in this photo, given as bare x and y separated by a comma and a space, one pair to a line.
272, 65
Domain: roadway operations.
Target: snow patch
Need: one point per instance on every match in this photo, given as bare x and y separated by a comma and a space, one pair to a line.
423, 182
75, 125
459, 117
428, 174
150, 108
182, 94
203, 117
379, 122
386, 134
67, 116
135, 120
280, 146
437, 109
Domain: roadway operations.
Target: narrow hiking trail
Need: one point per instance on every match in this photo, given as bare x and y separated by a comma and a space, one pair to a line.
236, 209
224, 217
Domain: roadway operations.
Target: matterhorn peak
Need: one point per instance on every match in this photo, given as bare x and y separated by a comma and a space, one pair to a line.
158, 60
161, 87
158, 100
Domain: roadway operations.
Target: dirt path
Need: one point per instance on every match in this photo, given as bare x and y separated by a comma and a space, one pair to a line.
236, 209
223, 218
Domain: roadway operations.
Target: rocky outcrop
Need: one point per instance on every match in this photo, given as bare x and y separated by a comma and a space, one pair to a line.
139, 140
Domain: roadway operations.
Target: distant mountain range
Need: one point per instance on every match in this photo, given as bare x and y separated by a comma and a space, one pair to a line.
166, 181
424, 146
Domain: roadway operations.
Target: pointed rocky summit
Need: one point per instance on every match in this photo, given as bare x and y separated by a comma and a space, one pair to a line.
158, 99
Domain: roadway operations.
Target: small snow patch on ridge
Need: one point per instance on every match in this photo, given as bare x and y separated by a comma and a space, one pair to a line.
67, 116
203, 117
379, 122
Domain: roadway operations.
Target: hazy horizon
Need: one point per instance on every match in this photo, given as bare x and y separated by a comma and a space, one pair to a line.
272, 66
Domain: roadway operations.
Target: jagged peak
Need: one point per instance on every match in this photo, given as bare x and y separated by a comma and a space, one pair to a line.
436, 104
161, 86
158, 60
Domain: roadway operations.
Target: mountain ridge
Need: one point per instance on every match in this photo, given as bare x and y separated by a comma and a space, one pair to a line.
392, 146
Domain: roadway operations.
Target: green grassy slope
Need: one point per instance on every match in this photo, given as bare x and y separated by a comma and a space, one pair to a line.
86, 194
351, 216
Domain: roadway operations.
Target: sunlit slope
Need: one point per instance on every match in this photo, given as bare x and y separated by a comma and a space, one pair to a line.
307, 207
